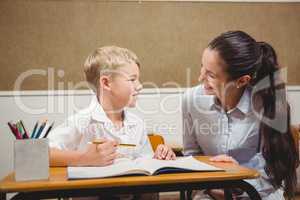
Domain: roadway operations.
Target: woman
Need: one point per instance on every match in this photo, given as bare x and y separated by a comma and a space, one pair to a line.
240, 113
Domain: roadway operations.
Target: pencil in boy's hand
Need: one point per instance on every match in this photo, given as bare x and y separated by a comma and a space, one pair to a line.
127, 145
121, 144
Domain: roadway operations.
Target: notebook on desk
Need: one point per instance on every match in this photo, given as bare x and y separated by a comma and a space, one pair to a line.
141, 166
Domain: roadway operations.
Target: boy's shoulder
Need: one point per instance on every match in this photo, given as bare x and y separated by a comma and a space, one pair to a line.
80, 118
83, 114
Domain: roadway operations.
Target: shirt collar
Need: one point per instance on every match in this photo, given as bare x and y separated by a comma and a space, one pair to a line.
130, 119
214, 104
244, 104
98, 114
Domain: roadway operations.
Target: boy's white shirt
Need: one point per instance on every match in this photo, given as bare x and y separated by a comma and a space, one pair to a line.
92, 123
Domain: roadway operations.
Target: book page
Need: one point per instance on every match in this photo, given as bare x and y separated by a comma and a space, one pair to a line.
120, 167
185, 163
143, 166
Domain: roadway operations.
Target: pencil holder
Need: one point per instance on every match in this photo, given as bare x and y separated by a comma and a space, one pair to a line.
31, 159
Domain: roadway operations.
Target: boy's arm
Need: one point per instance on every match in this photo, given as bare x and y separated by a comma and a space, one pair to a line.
66, 136
63, 158
94, 155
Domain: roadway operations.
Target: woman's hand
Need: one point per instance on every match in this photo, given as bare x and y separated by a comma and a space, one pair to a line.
99, 154
223, 158
163, 152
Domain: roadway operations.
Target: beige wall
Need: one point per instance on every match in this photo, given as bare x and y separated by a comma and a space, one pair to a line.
167, 36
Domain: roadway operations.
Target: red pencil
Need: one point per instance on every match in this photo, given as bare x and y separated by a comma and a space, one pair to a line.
14, 130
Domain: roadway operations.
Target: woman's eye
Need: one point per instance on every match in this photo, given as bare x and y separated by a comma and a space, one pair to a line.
210, 75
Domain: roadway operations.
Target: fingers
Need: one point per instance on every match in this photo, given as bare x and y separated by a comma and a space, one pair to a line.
107, 145
164, 152
107, 159
105, 163
158, 152
100, 140
120, 155
171, 155
114, 142
223, 158
102, 154
107, 150
111, 157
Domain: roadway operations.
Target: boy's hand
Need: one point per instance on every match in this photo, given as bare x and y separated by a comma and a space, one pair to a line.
163, 152
99, 154
223, 158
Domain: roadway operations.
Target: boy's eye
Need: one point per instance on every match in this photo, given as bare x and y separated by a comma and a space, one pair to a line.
132, 79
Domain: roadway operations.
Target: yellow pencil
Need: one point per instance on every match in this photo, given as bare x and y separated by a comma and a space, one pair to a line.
121, 144
127, 145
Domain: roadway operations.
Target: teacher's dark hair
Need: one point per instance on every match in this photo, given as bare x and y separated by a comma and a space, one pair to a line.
244, 56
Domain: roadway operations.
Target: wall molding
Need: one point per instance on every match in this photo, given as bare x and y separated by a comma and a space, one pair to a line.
215, 1
145, 91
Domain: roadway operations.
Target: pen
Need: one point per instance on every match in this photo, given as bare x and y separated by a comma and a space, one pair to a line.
49, 129
121, 144
41, 129
34, 129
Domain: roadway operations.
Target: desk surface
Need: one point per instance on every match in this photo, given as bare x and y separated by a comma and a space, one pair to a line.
58, 179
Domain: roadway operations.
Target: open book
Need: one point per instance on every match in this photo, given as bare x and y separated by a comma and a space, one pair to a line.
141, 166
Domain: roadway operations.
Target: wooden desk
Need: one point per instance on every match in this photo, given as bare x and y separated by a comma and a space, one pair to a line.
59, 186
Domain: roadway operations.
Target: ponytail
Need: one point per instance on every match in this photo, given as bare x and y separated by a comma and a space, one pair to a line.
279, 150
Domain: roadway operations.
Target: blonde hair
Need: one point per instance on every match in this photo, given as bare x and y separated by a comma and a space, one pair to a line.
105, 59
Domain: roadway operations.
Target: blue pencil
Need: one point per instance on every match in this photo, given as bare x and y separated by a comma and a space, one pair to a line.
40, 129
34, 129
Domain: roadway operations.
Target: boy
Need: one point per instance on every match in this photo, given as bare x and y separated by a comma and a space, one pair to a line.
113, 74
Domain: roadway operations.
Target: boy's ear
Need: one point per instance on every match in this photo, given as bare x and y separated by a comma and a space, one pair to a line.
243, 81
104, 82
